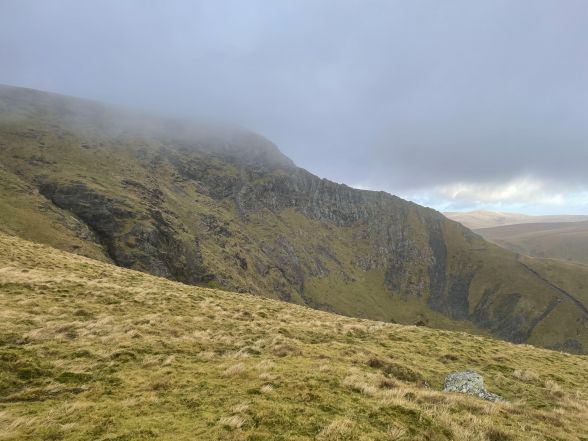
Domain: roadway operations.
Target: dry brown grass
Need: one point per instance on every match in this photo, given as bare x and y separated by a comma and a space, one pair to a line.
232, 422
525, 375
338, 430
237, 370
91, 351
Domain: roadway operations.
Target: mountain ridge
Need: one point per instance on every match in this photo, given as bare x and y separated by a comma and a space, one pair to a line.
229, 211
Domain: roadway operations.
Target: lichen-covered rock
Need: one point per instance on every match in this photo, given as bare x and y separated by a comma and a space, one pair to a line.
468, 382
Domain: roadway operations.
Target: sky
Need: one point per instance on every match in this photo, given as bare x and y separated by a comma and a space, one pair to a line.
457, 105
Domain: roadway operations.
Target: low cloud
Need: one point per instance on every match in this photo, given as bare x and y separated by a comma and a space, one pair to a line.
464, 103
522, 190
524, 194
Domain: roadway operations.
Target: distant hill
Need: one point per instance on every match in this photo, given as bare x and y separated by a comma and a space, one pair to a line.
91, 351
487, 219
223, 207
561, 240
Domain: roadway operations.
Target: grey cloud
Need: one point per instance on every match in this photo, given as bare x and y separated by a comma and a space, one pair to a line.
404, 96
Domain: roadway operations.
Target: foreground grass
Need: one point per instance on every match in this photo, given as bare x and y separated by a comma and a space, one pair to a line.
93, 351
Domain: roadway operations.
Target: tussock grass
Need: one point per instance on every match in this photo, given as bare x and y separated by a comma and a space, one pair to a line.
339, 429
89, 351
237, 370
232, 422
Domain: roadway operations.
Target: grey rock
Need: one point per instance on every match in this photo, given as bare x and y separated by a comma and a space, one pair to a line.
469, 382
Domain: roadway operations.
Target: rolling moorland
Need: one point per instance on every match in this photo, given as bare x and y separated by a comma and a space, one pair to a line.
561, 240
89, 350
224, 208
476, 220
555, 237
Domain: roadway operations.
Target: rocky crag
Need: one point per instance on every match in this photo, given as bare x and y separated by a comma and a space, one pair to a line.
223, 207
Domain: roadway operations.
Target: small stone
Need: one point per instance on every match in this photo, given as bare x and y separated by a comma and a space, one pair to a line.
468, 382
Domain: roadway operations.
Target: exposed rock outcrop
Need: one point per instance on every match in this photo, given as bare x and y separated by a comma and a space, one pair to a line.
468, 382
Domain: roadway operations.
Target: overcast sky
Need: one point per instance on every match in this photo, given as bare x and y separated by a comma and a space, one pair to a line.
455, 104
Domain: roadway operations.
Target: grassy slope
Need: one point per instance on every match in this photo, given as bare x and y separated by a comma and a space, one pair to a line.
563, 240
567, 275
27, 214
93, 351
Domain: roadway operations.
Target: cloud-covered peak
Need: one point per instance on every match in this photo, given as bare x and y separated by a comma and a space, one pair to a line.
452, 102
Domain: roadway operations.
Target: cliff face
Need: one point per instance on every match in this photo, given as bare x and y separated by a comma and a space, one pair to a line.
224, 207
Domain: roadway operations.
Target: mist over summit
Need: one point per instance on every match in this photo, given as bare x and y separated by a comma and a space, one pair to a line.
458, 107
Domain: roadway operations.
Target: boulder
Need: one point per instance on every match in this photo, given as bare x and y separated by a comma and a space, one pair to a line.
468, 382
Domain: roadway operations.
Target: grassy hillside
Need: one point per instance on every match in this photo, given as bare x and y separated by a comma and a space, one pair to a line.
489, 219
24, 212
561, 240
565, 275
223, 208
93, 351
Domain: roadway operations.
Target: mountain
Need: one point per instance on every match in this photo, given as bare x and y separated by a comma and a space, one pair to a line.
561, 240
488, 219
89, 350
223, 207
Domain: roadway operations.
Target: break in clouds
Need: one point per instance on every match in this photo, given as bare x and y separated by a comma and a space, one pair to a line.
457, 105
